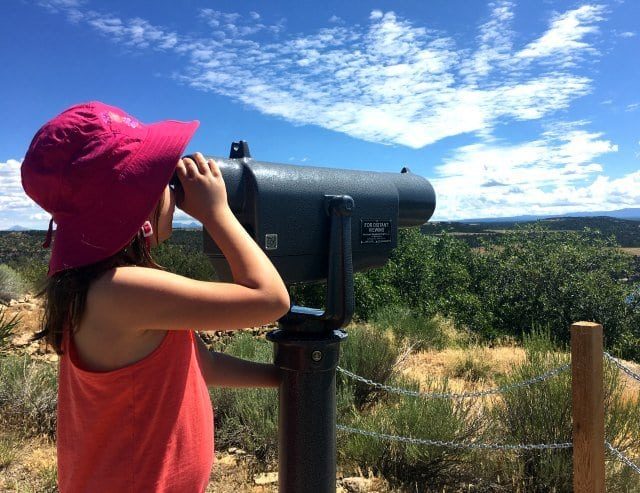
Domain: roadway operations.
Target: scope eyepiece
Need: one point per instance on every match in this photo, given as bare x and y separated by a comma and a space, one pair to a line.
175, 184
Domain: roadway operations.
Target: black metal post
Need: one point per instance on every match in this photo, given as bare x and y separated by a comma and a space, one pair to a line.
307, 414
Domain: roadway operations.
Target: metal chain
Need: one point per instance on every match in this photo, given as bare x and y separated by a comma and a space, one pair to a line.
622, 367
622, 457
452, 444
463, 395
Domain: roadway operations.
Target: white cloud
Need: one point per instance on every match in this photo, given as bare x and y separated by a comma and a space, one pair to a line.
15, 205
543, 176
627, 34
632, 107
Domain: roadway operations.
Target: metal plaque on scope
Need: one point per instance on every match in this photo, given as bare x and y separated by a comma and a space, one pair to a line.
375, 231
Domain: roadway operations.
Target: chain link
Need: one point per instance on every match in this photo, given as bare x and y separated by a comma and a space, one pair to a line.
622, 367
463, 395
452, 444
622, 457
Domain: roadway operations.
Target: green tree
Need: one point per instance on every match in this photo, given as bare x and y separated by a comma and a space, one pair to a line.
429, 274
534, 277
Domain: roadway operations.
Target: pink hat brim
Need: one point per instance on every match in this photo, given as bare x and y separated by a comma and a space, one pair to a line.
111, 222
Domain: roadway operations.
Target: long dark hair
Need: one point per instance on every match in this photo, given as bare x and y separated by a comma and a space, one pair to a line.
65, 293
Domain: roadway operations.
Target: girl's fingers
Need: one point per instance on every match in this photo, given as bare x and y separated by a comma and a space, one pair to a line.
190, 167
197, 163
180, 169
201, 163
213, 166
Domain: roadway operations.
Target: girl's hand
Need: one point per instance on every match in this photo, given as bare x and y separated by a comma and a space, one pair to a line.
205, 195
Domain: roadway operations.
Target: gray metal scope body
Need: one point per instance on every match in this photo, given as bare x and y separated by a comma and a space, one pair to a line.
284, 208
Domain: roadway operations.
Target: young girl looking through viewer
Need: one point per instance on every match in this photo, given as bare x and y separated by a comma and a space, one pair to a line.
134, 413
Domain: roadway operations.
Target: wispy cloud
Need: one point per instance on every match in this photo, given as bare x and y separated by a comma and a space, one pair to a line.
392, 81
564, 43
387, 81
233, 25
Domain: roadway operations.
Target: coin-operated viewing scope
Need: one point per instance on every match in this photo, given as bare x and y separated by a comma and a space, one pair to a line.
285, 209
315, 224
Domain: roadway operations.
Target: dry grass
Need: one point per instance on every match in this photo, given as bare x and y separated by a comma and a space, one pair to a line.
632, 251
426, 365
439, 364
31, 467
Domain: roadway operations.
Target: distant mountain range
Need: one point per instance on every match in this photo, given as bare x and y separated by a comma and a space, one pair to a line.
191, 225
632, 214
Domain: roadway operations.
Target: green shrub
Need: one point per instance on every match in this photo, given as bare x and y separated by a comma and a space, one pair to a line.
6, 328
28, 395
538, 413
430, 274
414, 465
420, 331
9, 446
33, 271
622, 430
371, 353
372, 290
184, 261
312, 295
12, 285
248, 418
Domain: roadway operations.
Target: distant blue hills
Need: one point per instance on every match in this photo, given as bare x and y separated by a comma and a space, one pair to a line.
630, 213
191, 225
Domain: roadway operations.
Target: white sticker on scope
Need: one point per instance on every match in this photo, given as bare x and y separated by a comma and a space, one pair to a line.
270, 241
375, 231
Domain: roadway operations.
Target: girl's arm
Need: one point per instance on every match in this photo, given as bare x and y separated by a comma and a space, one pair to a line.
222, 370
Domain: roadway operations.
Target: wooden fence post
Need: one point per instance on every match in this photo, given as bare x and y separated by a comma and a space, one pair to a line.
587, 407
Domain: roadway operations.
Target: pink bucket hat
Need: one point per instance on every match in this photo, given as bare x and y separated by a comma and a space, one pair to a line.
100, 172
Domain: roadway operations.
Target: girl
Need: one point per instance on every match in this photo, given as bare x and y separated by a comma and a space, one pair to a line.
134, 413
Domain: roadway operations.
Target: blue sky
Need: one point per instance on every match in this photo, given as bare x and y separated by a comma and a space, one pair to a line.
507, 107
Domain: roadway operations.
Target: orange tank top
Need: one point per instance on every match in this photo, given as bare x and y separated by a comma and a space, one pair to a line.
146, 427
